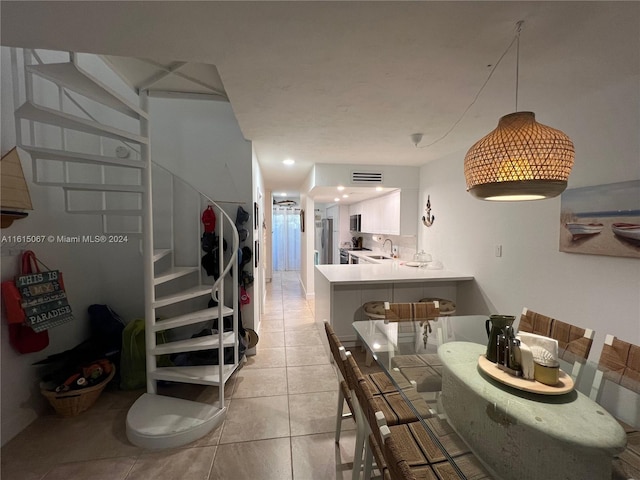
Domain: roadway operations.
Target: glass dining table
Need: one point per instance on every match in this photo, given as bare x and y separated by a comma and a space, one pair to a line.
513, 433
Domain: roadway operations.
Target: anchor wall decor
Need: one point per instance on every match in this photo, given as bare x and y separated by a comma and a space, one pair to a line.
429, 219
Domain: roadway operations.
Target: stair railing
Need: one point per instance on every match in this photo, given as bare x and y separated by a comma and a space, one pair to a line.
224, 222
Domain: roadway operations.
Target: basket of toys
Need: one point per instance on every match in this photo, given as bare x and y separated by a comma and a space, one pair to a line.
81, 390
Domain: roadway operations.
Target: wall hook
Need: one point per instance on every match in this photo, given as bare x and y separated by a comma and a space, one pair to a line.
429, 219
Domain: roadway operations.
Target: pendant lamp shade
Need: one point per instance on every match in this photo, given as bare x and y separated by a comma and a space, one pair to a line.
520, 160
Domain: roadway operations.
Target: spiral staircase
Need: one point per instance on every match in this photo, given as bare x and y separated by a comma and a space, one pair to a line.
121, 192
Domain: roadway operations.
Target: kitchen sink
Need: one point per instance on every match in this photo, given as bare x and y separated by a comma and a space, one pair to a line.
378, 257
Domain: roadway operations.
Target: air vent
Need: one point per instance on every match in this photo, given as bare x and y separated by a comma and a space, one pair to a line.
366, 178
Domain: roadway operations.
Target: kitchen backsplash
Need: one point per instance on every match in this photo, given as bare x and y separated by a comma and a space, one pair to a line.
406, 244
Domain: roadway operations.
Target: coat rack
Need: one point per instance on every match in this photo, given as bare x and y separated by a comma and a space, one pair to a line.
429, 219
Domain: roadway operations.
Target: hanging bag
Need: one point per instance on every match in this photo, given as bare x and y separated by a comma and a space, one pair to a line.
21, 336
44, 299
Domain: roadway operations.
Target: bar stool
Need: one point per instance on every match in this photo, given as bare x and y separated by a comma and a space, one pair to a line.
447, 307
374, 310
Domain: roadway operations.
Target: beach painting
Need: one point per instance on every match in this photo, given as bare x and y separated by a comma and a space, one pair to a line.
601, 220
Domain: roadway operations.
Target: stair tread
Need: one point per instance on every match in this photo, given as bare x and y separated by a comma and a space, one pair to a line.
70, 76
191, 318
50, 116
67, 156
199, 374
207, 342
159, 253
186, 294
173, 273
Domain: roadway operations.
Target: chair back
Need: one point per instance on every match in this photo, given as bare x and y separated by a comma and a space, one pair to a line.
365, 396
398, 467
619, 363
398, 312
574, 343
335, 345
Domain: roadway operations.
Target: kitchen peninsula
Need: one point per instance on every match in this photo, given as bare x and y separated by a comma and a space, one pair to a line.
341, 290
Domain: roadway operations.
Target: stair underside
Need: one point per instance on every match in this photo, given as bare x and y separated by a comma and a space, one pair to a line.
97, 187
156, 421
199, 374
191, 318
38, 113
70, 76
78, 157
119, 213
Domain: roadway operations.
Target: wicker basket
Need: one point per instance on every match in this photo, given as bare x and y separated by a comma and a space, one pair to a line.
74, 402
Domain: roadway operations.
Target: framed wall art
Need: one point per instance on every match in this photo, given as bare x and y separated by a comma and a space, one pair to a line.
601, 220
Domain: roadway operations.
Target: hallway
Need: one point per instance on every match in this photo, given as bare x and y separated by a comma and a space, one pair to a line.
280, 423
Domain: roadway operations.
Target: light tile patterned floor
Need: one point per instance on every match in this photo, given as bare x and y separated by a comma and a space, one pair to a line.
280, 423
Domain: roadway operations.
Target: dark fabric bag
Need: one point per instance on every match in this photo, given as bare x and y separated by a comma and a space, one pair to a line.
106, 327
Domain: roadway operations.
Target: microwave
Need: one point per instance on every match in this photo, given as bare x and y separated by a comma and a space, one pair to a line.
355, 223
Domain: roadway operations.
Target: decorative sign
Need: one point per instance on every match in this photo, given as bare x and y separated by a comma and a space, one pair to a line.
44, 300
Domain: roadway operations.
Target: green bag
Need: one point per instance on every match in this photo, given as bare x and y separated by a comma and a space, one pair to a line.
133, 360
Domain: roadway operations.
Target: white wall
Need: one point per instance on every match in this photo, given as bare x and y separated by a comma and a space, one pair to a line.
260, 196
110, 274
201, 142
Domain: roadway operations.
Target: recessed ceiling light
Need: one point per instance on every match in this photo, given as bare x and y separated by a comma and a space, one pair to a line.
336, 199
345, 196
378, 189
340, 188
288, 161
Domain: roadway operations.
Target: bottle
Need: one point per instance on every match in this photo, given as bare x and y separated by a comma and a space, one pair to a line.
501, 350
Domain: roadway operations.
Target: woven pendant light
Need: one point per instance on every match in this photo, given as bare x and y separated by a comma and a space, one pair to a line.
520, 160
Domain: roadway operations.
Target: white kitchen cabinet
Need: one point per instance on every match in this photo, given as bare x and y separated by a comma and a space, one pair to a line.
382, 214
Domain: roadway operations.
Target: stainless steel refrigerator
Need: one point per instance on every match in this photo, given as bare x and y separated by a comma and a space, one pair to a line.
326, 241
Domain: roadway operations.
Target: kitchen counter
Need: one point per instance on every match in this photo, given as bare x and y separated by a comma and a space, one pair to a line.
385, 271
341, 290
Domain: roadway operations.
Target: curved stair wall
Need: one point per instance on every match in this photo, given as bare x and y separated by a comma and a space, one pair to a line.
104, 168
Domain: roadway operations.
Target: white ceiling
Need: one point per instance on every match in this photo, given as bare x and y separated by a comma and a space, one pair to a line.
349, 82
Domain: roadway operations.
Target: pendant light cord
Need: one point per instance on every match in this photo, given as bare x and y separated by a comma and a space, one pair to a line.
518, 30
516, 39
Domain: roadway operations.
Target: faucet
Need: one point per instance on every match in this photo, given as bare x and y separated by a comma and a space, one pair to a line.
391, 242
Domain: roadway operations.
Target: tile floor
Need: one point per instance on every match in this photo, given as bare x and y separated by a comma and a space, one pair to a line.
280, 421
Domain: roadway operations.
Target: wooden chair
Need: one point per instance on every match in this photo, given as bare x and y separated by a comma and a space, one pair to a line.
390, 400
399, 312
574, 343
344, 393
410, 453
620, 363
393, 407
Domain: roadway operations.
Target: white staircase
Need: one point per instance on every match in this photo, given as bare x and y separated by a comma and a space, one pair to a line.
121, 192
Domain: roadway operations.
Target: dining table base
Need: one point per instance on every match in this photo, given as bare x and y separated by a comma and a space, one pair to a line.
525, 436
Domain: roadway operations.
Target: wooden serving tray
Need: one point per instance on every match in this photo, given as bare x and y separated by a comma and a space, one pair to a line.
564, 385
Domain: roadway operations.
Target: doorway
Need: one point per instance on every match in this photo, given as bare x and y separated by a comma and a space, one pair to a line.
286, 238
